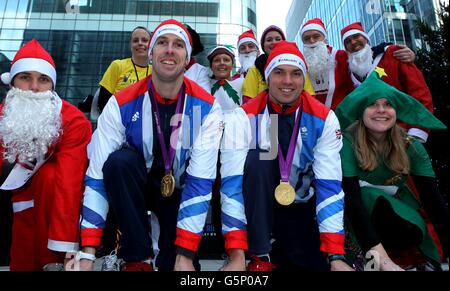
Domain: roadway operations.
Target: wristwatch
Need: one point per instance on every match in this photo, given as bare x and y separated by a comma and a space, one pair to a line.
336, 257
84, 256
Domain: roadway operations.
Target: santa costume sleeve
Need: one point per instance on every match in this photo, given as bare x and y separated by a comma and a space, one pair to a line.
71, 162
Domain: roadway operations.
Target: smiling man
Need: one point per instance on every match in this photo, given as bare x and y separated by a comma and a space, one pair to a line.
294, 203
143, 157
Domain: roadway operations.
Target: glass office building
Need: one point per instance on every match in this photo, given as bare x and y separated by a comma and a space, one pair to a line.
384, 20
84, 36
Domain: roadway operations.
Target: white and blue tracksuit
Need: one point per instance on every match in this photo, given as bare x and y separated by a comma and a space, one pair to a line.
127, 119
315, 173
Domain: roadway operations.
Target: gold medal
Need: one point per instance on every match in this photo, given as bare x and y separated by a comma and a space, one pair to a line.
167, 185
285, 193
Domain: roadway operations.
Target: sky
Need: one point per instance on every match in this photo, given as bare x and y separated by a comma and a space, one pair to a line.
271, 12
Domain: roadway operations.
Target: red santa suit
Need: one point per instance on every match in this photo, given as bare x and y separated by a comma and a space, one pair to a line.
47, 208
407, 78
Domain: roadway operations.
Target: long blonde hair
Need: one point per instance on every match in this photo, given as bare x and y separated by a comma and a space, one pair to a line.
392, 149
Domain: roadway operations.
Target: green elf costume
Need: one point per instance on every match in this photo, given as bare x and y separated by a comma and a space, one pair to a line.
382, 183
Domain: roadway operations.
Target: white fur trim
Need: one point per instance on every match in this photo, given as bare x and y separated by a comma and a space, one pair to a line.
32, 64
94, 114
248, 39
172, 29
22, 205
416, 132
285, 59
331, 80
314, 26
354, 32
6, 78
62, 246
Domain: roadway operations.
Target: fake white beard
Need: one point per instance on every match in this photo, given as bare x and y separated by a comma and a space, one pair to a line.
247, 60
360, 63
30, 124
319, 64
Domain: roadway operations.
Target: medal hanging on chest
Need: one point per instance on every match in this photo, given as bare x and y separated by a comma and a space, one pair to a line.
285, 193
168, 181
167, 185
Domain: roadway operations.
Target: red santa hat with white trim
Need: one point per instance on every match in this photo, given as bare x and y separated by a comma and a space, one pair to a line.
285, 53
247, 36
31, 57
314, 24
353, 29
175, 27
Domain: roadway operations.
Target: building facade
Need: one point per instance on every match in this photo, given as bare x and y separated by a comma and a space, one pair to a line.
84, 36
384, 20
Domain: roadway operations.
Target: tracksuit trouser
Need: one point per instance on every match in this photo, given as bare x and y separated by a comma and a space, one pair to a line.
132, 192
290, 234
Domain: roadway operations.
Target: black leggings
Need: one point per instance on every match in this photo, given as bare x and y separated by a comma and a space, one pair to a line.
395, 232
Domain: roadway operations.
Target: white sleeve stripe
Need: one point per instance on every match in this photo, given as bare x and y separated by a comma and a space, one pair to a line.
96, 202
329, 201
333, 224
87, 224
195, 200
193, 224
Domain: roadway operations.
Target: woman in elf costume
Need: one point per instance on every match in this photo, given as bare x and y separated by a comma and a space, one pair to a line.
378, 157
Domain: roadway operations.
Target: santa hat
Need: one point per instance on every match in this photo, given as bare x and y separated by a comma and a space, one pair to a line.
285, 53
269, 29
220, 49
352, 29
247, 36
175, 27
31, 57
408, 109
314, 24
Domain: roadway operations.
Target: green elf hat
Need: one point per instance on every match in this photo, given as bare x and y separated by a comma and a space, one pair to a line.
408, 109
